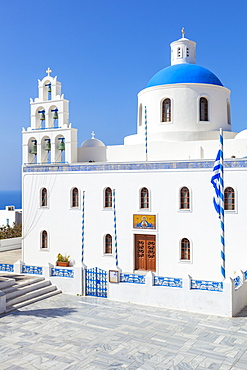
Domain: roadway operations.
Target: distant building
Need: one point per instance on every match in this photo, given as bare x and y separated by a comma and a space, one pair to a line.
10, 215
145, 205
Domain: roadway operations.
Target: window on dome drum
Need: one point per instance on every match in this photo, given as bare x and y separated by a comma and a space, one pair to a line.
179, 54
187, 52
144, 198
43, 202
229, 199
44, 240
108, 244
75, 198
203, 109
185, 249
166, 110
184, 198
140, 115
228, 113
108, 198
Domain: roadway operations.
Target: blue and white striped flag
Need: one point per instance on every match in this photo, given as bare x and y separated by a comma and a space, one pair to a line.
218, 184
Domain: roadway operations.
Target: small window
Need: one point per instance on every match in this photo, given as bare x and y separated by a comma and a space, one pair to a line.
75, 198
179, 53
229, 199
144, 198
140, 115
44, 240
185, 249
108, 198
203, 109
108, 244
184, 198
187, 52
166, 110
228, 113
43, 202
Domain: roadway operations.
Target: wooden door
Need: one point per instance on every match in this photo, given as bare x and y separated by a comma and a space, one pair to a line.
145, 252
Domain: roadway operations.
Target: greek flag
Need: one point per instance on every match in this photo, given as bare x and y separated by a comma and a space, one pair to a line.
218, 183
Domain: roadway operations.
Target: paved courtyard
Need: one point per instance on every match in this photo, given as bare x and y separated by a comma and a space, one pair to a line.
73, 332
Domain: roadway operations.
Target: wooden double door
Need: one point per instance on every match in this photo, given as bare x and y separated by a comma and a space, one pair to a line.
145, 252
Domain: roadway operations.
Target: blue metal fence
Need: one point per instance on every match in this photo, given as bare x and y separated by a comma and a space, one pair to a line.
96, 282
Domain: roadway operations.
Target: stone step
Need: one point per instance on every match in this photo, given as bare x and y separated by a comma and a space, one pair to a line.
30, 295
21, 290
33, 300
22, 284
6, 283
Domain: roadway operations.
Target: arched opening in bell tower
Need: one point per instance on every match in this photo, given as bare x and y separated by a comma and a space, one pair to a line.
32, 150
46, 150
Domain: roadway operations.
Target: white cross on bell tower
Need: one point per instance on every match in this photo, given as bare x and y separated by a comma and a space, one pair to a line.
48, 71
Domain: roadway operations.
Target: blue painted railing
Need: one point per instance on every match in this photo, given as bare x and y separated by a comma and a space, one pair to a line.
214, 286
167, 281
237, 282
62, 272
132, 278
34, 270
6, 267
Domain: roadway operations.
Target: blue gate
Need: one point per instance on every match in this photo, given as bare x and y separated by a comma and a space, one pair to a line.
96, 282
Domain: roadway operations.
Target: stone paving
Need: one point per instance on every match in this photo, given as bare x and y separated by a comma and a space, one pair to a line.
10, 256
73, 332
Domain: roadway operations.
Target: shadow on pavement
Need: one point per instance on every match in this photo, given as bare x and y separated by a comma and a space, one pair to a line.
45, 312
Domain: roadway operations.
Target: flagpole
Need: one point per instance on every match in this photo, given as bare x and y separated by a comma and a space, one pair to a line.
222, 212
217, 181
115, 226
146, 134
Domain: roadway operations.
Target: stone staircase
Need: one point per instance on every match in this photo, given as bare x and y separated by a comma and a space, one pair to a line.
21, 290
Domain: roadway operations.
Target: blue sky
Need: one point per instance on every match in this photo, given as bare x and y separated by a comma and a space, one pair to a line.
104, 52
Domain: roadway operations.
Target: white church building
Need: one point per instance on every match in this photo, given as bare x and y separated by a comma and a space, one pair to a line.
137, 220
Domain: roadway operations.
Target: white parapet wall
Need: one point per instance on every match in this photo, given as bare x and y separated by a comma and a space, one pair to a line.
225, 298
9, 244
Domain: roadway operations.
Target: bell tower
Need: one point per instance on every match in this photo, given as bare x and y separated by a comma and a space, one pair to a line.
183, 50
50, 138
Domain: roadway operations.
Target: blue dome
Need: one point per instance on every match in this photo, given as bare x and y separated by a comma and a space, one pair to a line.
184, 73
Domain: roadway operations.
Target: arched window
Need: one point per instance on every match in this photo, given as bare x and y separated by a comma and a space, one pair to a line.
184, 198
144, 198
108, 244
229, 199
203, 109
140, 115
185, 249
228, 113
44, 240
108, 198
43, 201
166, 110
75, 198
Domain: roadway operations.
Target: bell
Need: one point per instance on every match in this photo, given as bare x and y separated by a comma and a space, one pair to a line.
42, 115
55, 115
48, 145
61, 146
49, 88
34, 148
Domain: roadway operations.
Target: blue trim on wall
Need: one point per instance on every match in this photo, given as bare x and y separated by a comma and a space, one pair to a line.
135, 166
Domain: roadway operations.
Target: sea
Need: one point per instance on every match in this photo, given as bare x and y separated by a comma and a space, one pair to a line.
10, 198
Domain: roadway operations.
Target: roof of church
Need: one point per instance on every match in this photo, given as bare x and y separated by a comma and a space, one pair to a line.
184, 73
